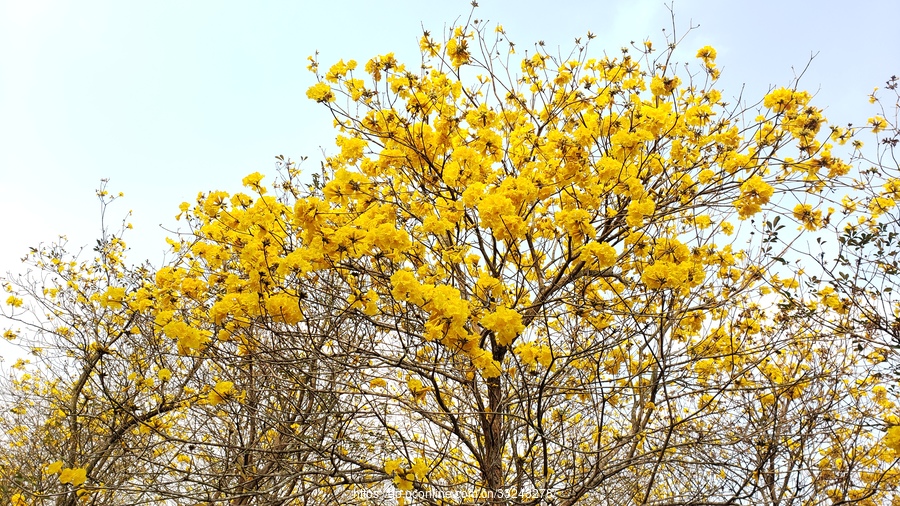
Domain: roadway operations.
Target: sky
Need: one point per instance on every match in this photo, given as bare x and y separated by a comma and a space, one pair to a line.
166, 99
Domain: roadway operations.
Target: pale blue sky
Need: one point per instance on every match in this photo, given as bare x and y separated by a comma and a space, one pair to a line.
169, 98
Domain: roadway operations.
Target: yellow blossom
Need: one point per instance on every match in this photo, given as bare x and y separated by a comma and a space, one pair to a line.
75, 476
417, 389
53, 468
892, 438
706, 53
877, 124
220, 393
320, 92
506, 324
755, 192
809, 218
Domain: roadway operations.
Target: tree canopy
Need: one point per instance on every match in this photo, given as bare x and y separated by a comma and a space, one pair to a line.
535, 279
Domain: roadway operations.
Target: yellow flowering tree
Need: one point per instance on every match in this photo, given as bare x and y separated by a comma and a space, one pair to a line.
565, 283
852, 288
561, 279
861, 268
84, 408
125, 401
